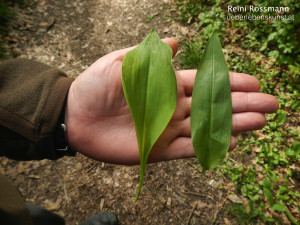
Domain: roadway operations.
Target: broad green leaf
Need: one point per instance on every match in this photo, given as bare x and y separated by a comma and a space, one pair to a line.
296, 147
272, 176
279, 207
281, 118
211, 112
150, 89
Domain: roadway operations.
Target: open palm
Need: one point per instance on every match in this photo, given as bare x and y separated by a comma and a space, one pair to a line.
100, 125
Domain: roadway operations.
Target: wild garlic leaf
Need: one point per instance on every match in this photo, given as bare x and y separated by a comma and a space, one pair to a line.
211, 109
150, 89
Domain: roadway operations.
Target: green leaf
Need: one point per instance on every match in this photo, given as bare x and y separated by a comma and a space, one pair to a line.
274, 54
211, 110
272, 36
273, 176
281, 118
150, 89
279, 207
269, 219
269, 196
295, 105
296, 147
267, 183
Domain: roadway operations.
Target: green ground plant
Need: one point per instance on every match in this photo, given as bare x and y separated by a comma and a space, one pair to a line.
269, 50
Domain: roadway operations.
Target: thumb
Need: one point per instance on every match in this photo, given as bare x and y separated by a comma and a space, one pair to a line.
173, 44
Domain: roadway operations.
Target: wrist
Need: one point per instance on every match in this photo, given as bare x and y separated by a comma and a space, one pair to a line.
71, 121
60, 137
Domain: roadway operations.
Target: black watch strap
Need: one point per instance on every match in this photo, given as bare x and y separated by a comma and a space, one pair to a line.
60, 140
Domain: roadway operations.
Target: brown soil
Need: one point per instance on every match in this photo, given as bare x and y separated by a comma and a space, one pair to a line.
71, 35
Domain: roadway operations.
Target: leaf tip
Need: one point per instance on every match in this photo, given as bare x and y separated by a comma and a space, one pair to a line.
215, 35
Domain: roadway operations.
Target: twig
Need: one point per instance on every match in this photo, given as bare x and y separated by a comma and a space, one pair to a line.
66, 193
92, 167
204, 181
51, 24
29, 187
191, 213
219, 207
233, 160
101, 204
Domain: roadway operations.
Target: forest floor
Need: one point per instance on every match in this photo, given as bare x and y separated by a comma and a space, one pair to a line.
71, 35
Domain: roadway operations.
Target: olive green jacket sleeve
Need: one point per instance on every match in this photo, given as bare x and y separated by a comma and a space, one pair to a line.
32, 98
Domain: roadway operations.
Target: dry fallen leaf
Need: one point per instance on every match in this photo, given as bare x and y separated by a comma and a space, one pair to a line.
201, 205
235, 199
226, 221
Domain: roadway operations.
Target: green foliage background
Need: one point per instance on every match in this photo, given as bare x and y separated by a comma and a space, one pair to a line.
270, 51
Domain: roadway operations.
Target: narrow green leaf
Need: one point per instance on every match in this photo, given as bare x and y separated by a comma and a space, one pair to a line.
211, 112
269, 196
282, 208
150, 89
267, 183
291, 218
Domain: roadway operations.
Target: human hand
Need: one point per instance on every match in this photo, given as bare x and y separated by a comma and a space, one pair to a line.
100, 125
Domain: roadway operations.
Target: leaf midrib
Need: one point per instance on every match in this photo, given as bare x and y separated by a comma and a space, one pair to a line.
145, 107
211, 95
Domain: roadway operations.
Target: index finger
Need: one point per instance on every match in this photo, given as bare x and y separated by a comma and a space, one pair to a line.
243, 82
238, 81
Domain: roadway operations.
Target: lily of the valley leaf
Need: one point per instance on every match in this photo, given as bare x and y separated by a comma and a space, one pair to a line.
150, 89
211, 110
